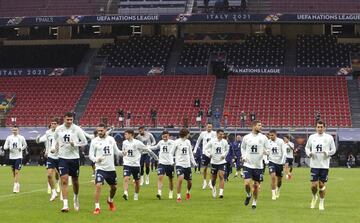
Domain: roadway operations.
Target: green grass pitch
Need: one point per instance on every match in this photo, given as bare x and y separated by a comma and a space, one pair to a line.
32, 203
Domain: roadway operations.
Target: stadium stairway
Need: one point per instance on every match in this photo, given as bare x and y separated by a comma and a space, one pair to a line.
174, 56
218, 99
354, 101
86, 62
84, 99
290, 53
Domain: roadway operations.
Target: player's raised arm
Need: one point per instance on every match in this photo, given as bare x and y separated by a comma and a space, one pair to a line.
40, 139
198, 141
154, 147
144, 148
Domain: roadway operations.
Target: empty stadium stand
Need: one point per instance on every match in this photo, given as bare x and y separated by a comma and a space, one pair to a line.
288, 100
171, 96
40, 98
42, 56
50, 7
323, 51
138, 51
255, 51
151, 7
319, 6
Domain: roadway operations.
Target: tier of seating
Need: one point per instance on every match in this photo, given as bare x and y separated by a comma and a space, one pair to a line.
319, 6
255, 51
171, 96
51, 7
323, 51
38, 99
151, 7
42, 56
288, 100
139, 51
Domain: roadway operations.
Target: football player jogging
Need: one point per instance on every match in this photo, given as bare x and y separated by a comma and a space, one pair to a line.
253, 147
166, 163
16, 144
205, 137
236, 155
217, 150
102, 151
319, 147
132, 150
184, 157
289, 157
68, 138
149, 140
277, 159
52, 162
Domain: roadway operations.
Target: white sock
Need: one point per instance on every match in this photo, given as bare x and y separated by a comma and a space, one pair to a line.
187, 191
66, 205
204, 181
159, 192
110, 199
53, 191
221, 191
321, 200
97, 205
248, 194
76, 197
254, 202
314, 196
126, 193
136, 194
273, 192
178, 196
171, 192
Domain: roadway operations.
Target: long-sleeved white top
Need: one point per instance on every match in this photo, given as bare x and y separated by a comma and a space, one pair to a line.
277, 151
64, 136
15, 145
132, 150
183, 153
320, 147
253, 149
102, 152
166, 154
217, 150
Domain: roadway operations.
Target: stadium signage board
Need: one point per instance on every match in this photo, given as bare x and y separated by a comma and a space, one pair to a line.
35, 71
180, 18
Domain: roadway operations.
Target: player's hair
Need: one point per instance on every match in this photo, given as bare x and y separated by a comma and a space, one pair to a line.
55, 119
95, 133
165, 132
141, 127
69, 114
273, 131
183, 132
15, 126
219, 130
255, 122
209, 123
130, 131
102, 125
320, 122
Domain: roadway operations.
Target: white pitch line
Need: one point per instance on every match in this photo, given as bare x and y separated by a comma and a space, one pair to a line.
16, 195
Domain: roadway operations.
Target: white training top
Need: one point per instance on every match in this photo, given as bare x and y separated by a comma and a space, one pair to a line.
184, 156
132, 151
147, 139
48, 139
105, 148
289, 150
166, 151
277, 151
63, 136
316, 147
16, 145
253, 147
217, 150
205, 137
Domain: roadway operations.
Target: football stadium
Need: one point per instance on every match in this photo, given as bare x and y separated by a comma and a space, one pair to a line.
179, 111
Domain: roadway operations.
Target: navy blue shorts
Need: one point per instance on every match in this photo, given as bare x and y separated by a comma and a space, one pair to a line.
15, 164
184, 171
290, 161
52, 163
145, 158
166, 169
215, 168
132, 170
318, 174
108, 176
276, 168
254, 174
205, 160
69, 166
237, 157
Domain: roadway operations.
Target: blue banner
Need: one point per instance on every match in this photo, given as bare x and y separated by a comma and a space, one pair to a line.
181, 18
